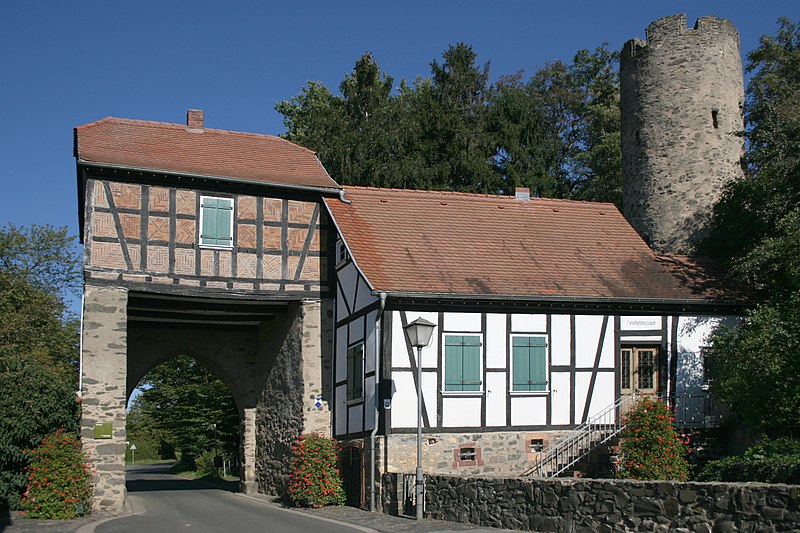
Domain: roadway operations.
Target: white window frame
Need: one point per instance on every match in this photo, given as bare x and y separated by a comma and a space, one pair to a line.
202, 216
363, 372
342, 254
511, 366
482, 387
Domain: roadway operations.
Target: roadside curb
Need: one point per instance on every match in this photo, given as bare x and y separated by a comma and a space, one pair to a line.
315, 517
132, 507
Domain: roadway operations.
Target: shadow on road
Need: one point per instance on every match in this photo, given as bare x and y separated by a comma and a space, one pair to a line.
147, 485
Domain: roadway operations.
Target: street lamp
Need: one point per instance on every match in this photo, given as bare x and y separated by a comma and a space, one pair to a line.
419, 334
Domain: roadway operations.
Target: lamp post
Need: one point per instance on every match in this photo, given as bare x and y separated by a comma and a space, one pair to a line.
419, 334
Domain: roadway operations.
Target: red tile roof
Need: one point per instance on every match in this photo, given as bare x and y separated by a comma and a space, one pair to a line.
160, 146
464, 244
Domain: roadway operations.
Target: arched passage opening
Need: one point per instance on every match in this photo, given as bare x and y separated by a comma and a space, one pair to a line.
181, 410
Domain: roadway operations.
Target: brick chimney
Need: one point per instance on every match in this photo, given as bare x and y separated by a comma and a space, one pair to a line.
195, 119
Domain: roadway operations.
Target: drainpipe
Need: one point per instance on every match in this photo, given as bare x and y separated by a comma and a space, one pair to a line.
378, 340
80, 350
342, 198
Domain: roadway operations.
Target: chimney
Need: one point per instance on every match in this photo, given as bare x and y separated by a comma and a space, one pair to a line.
195, 119
522, 193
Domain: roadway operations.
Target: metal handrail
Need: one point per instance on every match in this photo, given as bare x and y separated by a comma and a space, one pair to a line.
597, 430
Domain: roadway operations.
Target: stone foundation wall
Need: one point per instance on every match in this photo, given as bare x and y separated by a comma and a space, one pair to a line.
584, 505
505, 453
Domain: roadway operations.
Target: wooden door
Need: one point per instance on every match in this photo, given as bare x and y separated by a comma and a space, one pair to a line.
638, 368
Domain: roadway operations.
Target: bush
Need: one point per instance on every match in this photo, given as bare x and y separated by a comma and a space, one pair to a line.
59, 480
776, 461
205, 464
315, 479
48, 403
652, 448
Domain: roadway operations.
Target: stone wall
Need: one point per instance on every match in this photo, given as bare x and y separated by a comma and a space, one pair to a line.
584, 505
681, 98
288, 406
501, 453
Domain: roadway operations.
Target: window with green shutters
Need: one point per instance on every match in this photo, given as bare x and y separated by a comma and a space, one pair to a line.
529, 360
216, 221
355, 372
462, 363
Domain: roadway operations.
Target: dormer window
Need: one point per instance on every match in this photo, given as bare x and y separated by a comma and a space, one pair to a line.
216, 222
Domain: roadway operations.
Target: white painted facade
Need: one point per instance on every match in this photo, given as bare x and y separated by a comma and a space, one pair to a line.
582, 365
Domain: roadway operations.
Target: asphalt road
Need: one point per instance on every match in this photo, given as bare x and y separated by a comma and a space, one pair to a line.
164, 503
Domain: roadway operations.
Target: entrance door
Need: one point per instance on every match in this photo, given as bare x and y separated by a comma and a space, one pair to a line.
351, 475
638, 367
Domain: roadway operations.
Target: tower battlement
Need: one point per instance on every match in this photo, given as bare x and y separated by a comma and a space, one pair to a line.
674, 27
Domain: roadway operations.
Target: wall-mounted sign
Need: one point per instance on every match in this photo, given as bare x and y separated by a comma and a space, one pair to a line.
103, 430
387, 403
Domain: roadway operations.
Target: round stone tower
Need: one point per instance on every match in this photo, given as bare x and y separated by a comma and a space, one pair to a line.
681, 100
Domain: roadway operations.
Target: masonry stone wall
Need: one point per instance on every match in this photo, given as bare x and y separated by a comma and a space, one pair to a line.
288, 406
103, 391
681, 100
501, 453
584, 505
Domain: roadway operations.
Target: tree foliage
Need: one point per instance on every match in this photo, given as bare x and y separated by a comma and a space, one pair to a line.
180, 401
757, 235
38, 345
556, 133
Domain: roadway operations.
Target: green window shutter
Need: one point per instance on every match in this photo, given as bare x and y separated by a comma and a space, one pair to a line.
529, 359
462, 364
217, 229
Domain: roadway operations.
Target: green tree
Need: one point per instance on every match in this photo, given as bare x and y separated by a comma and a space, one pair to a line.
757, 236
182, 399
38, 345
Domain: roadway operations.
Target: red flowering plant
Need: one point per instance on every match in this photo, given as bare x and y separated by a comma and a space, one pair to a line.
652, 447
59, 479
315, 479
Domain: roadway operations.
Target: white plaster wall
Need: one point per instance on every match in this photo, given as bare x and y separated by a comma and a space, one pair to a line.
559, 340
608, 356
560, 398
496, 391
355, 423
369, 343
341, 410
466, 322
404, 400
528, 410
356, 328
529, 323
461, 412
496, 341
369, 403
341, 353
348, 277
587, 335
604, 393
429, 394
581, 389
364, 297
400, 354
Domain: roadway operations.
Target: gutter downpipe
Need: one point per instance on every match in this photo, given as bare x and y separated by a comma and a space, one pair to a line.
79, 392
378, 341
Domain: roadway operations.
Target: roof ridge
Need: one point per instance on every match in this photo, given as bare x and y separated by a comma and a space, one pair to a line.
184, 127
473, 195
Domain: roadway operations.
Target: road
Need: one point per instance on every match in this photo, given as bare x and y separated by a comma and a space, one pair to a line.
165, 503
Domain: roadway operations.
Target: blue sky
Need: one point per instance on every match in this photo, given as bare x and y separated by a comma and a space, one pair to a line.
69, 63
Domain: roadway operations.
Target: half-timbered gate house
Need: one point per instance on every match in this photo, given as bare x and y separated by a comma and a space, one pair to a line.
212, 244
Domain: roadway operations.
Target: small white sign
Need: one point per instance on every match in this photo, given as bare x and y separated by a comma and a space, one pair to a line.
133, 446
387, 403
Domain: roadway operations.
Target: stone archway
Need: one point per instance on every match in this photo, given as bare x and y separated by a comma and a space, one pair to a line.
271, 354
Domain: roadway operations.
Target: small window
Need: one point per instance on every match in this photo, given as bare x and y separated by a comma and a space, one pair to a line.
216, 222
536, 445
341, 252
466, 454
462, 363
529, 371
355, 372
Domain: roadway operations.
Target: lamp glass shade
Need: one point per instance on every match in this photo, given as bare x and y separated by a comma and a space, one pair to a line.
419, 332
